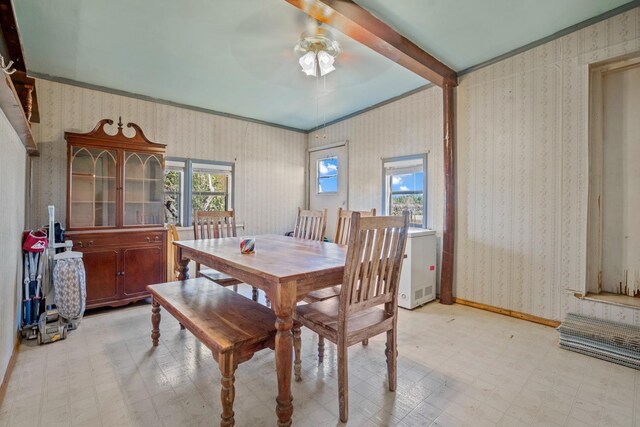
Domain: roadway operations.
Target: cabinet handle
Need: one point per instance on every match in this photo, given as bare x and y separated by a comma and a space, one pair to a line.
90, 243
119, 273
157, 239
79, 243
148, 239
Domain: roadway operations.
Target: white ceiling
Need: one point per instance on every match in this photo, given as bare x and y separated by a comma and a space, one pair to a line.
236, 57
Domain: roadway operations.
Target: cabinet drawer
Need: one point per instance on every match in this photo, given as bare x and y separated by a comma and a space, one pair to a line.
150, 237
82, 241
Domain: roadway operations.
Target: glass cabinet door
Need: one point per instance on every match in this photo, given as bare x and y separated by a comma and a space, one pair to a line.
92, 189
143, 189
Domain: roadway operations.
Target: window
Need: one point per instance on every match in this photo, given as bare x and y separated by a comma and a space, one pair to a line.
405, 188
196, 185
328, 175
209, 187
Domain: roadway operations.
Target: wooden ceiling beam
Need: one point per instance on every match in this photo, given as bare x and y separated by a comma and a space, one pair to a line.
357, 23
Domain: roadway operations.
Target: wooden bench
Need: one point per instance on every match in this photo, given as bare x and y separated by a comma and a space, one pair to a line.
231, 326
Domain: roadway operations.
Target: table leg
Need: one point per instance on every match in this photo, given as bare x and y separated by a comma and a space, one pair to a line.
283, 304
155, 322
183, 266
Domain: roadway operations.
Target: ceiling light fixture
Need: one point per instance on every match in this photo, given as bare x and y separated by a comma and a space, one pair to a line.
317, 50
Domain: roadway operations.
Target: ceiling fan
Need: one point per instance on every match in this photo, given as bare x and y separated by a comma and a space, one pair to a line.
269, 44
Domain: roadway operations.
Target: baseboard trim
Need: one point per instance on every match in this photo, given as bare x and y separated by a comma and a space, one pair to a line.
7, 374
510, 313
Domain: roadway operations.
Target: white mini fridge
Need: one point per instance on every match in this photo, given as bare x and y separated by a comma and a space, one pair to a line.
418, 277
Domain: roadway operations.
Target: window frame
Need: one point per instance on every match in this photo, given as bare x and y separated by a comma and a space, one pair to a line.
387, 192
187, 182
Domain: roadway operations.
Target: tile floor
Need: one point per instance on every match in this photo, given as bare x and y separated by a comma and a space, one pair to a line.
457, 366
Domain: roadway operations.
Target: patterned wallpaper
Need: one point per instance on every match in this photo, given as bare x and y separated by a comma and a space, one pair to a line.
412, 125
523, 174
269, 161
12, 181
522, 169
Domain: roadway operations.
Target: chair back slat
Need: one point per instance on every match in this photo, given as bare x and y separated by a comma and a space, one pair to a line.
310, 225
355, 269
343, 225
373, 263
214, 224
380, 282
390, 271
365, 280
371, 290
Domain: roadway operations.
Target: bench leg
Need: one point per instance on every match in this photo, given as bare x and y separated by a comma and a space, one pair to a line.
226, 362
320, 349
155, 322
297, 344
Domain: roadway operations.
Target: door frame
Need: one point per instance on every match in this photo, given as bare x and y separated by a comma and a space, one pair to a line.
307, 195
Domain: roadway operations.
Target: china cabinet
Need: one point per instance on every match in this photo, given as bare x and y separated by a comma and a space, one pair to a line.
115, 212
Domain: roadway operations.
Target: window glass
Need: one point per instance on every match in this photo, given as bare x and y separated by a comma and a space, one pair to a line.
328, 175
173, 184
405, 188
209, 190
407, 182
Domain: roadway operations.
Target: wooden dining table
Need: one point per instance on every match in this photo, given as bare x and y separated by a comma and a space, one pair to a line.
286, 269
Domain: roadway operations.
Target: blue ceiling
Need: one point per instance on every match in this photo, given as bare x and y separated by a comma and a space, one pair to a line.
237, 57
465, 33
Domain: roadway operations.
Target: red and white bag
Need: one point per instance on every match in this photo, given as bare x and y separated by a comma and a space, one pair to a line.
34, 241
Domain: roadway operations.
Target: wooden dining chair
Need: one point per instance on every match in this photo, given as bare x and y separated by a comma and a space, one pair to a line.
173, 235
216, 225
368, 302
343, 227
310, 225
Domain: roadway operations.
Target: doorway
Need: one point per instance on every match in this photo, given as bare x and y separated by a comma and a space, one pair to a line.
614, 201
329, 181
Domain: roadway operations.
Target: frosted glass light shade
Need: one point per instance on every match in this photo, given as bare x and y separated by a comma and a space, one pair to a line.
308, 63
325, 62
